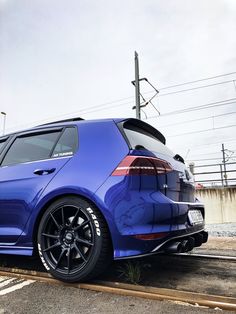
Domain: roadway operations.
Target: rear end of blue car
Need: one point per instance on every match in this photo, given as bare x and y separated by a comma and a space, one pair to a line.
81, 193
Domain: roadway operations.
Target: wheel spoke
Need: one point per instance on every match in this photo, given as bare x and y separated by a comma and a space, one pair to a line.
62, 217
68, 260
82, 225
80, 253
52, 247
59, 258
85, 242
75, 217
51, 236
56, 223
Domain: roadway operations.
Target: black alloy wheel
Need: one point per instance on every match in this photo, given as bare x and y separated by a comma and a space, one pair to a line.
73, 240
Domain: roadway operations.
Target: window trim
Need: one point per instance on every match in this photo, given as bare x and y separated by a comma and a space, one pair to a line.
4, 140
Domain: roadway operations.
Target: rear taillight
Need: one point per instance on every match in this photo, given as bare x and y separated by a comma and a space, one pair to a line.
142, 165
151, 236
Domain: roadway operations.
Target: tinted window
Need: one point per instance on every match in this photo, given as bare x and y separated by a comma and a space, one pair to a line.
31, 148
67, 143
142, 139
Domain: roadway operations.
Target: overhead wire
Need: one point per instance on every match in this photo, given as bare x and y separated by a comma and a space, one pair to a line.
202, 131
195, 88
208, 144
199, 80
202, 159
200, 107
199, 119
88, 110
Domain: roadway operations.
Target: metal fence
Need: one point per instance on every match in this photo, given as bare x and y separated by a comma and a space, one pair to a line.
223, 174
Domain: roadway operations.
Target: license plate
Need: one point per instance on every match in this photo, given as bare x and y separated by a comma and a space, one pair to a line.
195, 217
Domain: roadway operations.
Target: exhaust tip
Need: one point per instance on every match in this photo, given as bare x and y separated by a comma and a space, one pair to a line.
188, 244
191, 242
174, 247
205, 236
198, 239
185, 246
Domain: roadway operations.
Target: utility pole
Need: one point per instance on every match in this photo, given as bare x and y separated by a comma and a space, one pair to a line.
224, 164
137, 89
4, 122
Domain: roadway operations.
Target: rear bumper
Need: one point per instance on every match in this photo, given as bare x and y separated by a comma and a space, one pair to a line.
131, 210
199, 238
161, 248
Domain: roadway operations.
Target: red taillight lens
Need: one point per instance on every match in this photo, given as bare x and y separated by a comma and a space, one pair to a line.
151, 236
142, 165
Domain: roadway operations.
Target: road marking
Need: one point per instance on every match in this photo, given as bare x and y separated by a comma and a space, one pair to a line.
6, 282
13, 283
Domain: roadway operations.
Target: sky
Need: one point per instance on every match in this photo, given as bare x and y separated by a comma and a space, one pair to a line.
60, 59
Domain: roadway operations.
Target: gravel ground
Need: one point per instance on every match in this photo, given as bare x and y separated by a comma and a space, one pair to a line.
222, 230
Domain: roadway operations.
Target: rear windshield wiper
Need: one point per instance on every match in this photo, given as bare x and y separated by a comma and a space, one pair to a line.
179, 158
140, 147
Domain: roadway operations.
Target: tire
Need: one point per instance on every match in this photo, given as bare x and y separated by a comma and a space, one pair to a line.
73, 240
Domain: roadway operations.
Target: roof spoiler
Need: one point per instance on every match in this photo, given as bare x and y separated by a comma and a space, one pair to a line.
150, 129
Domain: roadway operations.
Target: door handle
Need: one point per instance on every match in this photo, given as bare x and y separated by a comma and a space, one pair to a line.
41, 172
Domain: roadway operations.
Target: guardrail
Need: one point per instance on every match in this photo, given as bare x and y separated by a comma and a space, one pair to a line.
223, 174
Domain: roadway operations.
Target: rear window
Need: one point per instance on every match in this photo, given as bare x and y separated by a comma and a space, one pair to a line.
140, 138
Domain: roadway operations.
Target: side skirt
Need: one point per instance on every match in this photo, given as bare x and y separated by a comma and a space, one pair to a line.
16, 250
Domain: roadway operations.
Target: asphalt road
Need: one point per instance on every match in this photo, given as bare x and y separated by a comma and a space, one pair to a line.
26, 297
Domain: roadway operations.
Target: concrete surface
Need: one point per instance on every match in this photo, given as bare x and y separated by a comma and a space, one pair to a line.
220, 245
222, 230
220, 204
41, 298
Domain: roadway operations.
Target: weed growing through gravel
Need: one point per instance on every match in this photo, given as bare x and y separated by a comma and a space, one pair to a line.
131, 271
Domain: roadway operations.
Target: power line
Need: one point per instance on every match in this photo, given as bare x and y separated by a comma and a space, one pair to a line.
209, 144
213, 104
206, 106
200, 107
171, 86
205, 154
195, 88
202, 159
199, 119
196, 81
163, 88
201, 131
63, 116
84, 110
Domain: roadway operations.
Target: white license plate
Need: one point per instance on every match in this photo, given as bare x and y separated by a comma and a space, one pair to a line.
195, 217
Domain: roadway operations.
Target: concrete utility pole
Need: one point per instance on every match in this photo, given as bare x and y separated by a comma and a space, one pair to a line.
224, 164
137, 90
4, 122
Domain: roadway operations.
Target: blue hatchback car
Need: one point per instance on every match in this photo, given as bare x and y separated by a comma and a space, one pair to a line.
82, 193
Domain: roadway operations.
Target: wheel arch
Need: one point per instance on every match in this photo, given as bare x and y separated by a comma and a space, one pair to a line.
51, 201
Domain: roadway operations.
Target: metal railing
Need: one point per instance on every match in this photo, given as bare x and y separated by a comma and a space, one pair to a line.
222, 175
